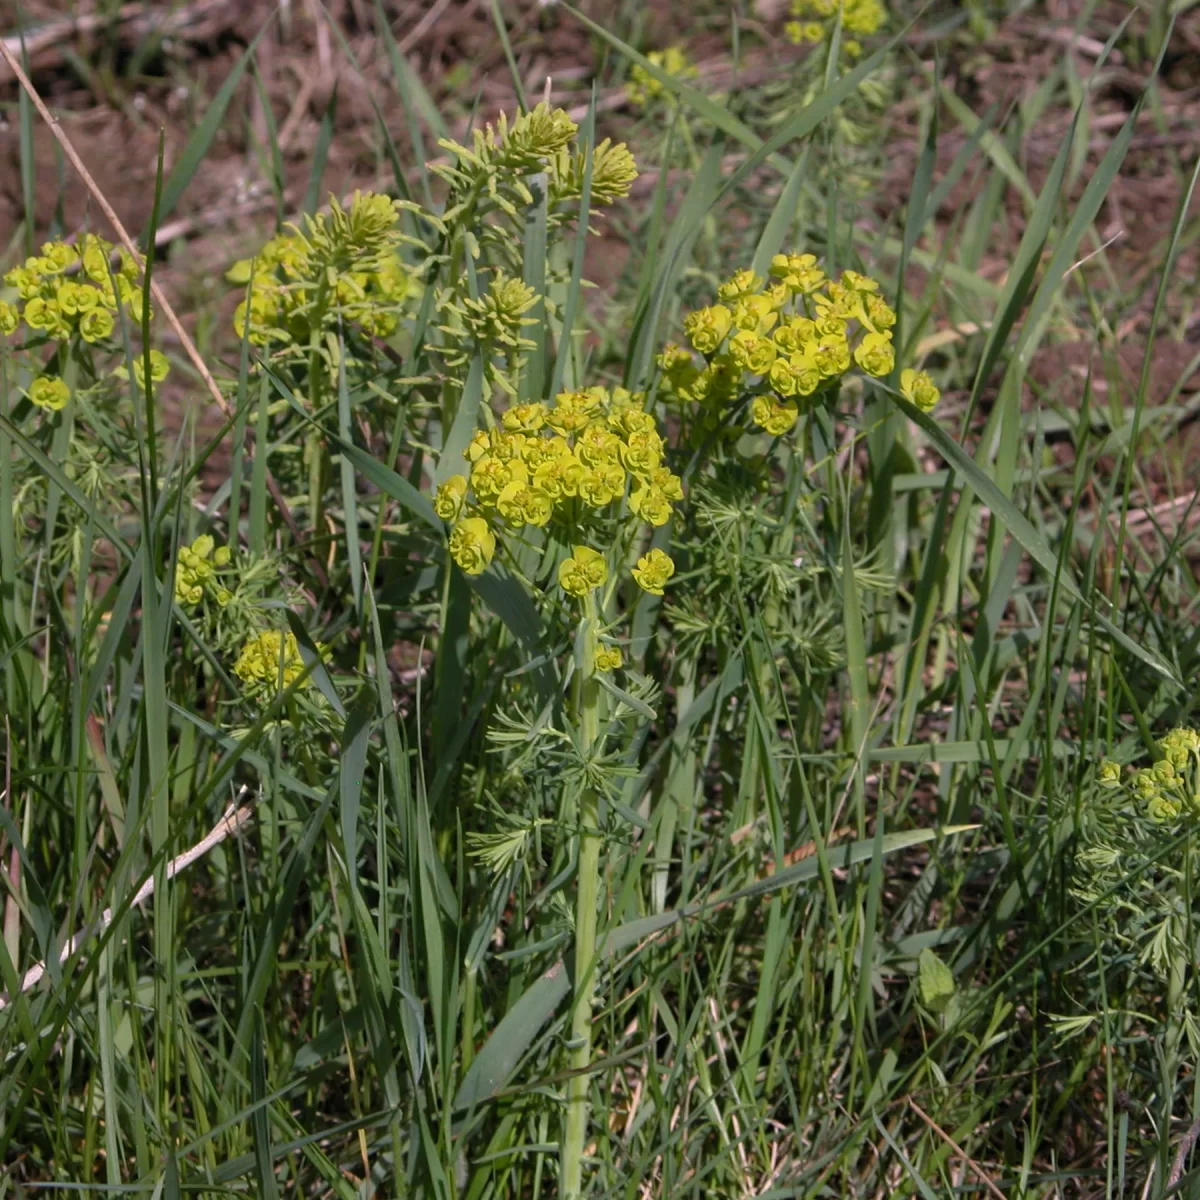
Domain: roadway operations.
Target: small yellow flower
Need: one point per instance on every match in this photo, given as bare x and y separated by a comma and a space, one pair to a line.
584, 571
667, 482
755, 313
608, 658
752, 351
450, 497
832, 357
56, 257
879, 314
49, 392
1178, 746
653, 570
673, 359
159, 367
41, 313
742, 283
1164, 771
26, 280
858, 283
222, 556
875, 354
706, 328
96, 324
1108, 775
472, 545
1144, 783
524, 418
807, 373
597, 446
651, 504
479, 445
601, 485
775, 416
537, 506
94, 256
782, 378
491, 475
570, 414
918, 389
1162, 808
642, 451
10, 318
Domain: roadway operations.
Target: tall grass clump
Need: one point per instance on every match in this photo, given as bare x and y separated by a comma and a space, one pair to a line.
698, 740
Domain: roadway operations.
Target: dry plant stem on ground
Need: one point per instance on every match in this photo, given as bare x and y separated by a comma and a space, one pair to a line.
234, 818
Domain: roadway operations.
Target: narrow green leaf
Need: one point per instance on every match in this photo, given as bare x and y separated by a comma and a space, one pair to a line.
1020, 527
355, 737
493, 1066
197, 145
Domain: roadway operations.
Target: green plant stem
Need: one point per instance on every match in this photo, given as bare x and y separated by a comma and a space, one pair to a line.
586, 904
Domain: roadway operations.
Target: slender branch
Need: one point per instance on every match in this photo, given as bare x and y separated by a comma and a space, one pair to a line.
233, 819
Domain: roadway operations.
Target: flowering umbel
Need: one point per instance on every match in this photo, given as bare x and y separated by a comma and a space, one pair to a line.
814, 22
73, 289
1171, 785
199, 570
268, 661
643, 85
786, 342
341, 266
580, 458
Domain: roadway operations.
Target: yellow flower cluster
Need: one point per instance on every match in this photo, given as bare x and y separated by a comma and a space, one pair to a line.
69, 289
342, 264
643, 86
503, 156
493, 323
1172, 784
785, 340
815, 21
269, 659
196, 572
584, 450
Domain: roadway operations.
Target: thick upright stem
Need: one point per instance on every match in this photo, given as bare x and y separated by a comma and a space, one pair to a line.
586, 905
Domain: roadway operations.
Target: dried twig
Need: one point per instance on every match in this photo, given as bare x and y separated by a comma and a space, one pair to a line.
979, 1171
189, 346
1185, 1148
422, 27
233, 819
